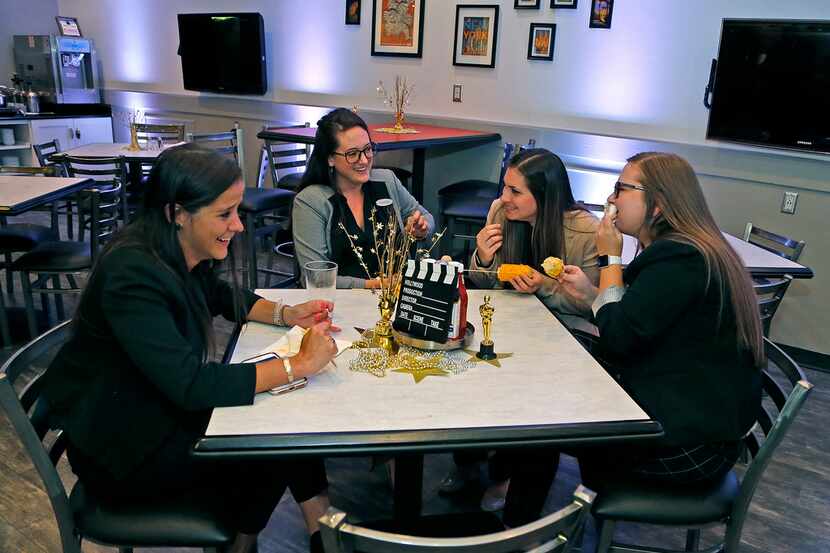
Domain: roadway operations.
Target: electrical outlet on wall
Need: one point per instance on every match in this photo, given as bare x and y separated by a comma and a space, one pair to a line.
456, 93
788, 205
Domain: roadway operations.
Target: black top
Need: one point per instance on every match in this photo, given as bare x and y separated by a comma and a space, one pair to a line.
670, 352
342, 253
133, 372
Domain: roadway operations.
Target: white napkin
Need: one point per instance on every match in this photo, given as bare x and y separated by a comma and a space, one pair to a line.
289, 344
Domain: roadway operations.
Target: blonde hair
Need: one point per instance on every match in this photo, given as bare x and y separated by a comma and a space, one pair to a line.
671, 185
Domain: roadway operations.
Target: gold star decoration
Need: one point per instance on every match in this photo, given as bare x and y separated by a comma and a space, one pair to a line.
495, 362
419, 367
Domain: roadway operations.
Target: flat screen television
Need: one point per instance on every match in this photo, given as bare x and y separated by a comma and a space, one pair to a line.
223, 52
772, 84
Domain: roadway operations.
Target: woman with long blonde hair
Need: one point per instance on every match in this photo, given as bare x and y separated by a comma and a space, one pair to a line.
680, 328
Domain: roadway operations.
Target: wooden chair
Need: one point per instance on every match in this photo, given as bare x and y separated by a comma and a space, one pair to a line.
173, 523
554, 533
725, 502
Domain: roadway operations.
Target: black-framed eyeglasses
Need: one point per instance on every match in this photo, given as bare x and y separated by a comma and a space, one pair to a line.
353, 155
625, 186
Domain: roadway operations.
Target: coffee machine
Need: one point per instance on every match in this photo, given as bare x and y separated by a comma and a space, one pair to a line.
63, 69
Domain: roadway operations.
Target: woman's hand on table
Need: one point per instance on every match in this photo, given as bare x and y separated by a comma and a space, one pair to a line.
576, 284
417, 224
488, 242
316, 351
529, 284
309, 313
609, 240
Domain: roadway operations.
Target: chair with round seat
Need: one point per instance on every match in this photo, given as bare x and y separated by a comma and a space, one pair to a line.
80, 516
723, 502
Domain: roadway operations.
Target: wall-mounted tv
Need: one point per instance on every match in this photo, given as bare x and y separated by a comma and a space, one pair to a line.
772, 84
223, 52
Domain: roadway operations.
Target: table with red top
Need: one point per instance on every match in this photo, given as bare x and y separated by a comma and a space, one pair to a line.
428, 136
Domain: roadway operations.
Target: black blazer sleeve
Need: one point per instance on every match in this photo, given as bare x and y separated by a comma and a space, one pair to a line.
142, 304
664, 283
219, 296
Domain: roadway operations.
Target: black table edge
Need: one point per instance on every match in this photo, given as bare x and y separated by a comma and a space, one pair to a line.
25, 206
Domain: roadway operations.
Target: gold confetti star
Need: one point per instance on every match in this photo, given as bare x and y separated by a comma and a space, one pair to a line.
421, 373
495, 362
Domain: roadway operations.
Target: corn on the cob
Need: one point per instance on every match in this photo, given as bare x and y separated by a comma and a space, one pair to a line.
553, 266
508, 271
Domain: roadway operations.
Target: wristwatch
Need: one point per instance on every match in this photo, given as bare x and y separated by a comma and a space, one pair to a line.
606, 260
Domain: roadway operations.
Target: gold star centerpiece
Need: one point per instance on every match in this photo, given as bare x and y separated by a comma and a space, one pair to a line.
495, 361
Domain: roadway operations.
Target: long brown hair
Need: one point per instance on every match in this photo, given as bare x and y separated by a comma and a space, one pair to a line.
548, 181
671, 184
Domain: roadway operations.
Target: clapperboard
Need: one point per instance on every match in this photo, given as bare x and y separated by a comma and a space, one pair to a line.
426, 300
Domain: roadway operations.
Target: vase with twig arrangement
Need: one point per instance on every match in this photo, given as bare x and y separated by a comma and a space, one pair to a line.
129, 119
392, 246
398, 99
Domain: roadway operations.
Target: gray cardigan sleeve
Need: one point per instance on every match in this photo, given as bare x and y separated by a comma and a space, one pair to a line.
310, 221
405, 202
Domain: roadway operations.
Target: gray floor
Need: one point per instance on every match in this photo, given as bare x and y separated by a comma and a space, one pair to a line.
790, 512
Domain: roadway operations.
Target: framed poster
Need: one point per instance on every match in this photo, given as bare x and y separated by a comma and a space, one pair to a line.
68, 26
398, 28
601, 14
476, 31
541, 40
352, 12
527, 4
563, 4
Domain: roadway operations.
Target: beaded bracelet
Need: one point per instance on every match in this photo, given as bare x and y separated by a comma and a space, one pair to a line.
279, 308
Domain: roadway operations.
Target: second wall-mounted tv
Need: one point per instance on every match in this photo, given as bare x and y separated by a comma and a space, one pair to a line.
223, 52
772, 84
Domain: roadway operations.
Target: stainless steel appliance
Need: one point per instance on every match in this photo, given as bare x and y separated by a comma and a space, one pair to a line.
63, 69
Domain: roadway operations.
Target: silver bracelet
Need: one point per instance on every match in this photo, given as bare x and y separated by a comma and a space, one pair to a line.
279, 307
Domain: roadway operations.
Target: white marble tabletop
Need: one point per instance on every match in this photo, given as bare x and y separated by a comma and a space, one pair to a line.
758, 261
549, 383
19, 193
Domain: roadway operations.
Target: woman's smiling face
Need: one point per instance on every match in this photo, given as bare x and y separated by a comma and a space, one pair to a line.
207, 233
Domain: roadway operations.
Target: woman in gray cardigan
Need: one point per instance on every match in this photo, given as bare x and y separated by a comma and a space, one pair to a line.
339, 186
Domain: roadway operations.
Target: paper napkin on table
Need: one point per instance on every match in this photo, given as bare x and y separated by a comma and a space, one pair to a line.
289, 344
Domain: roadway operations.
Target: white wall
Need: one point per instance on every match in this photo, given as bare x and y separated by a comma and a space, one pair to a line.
642, 78
23, 17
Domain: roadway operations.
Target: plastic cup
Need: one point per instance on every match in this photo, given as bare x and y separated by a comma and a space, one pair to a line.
320, 280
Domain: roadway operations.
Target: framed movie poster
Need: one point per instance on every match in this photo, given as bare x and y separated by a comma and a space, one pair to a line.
476, 31
398, 28
541, 40
68, 26
352, 12
563, 4
601, 14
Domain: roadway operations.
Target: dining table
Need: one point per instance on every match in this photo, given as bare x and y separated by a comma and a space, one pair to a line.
424, 138
19, 194
543, 389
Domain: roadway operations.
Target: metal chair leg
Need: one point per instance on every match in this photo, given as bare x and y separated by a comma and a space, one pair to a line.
4, 323
692, 539
56, 283
606, 535
26, 285
9, 276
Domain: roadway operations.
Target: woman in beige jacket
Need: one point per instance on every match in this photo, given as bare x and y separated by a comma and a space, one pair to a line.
537, 217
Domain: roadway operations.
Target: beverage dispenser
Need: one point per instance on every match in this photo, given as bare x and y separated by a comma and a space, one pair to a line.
63, 69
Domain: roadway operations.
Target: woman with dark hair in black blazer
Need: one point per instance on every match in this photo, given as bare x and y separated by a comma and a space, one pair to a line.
133, 388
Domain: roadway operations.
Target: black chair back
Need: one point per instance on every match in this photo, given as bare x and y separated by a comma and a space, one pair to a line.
778, 244
165, 134
770, 294
110, 175
45, 152
286, 161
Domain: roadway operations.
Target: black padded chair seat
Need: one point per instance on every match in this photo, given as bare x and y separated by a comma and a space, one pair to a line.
290, 181
257, 200
466, 207
65, 256
22, 237
170, 523
477, 187
636, 501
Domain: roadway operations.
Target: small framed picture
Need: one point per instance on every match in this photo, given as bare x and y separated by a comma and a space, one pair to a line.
601, 14
540, 42
352, 12
563, 4
398, 28
68, 26
476, 31
527, 4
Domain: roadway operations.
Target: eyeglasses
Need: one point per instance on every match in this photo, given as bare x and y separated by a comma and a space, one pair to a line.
353, 155
625, 186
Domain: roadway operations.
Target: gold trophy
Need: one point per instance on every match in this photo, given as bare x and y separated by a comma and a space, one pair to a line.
485, 349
